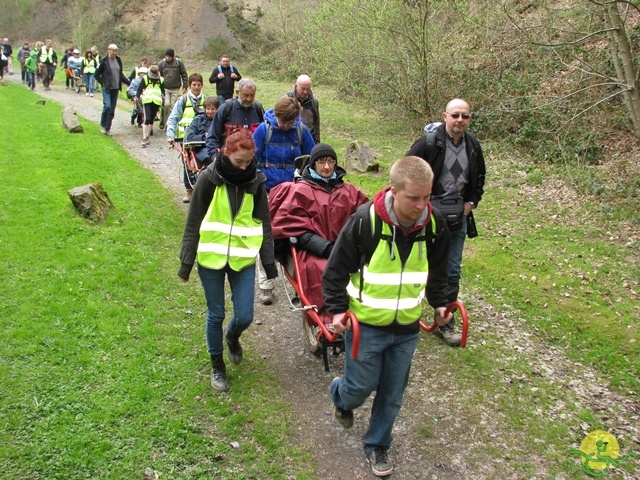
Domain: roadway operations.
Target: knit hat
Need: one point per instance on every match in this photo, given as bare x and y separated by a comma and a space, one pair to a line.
170, 52
143, 70
154, 72
322, 150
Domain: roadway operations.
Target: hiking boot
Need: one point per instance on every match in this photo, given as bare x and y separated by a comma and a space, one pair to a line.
187, 197
219, 374
161, 126
381, 466
450, 337
235, 349
344, 417
266, 296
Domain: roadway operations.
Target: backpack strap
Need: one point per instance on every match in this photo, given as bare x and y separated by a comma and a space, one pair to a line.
430, 145
299, 131
226, 113
373, 223
231, 69
260, 110
267, 142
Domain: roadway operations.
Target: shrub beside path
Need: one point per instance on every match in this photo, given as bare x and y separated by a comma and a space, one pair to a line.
448, 428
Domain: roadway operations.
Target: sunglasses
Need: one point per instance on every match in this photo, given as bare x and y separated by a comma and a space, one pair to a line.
458, 115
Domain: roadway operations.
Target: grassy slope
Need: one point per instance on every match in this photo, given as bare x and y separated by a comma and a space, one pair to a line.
541, 260
103, 372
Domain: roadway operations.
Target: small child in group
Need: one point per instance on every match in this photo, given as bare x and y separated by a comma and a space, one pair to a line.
137, 113
197, 131
31, 65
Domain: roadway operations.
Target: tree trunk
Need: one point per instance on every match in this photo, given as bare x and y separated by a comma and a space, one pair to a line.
623, 63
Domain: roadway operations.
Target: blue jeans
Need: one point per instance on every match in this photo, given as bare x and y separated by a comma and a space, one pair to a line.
383, 364
88, 82
454, 269
242, 291
31, 79
109, 102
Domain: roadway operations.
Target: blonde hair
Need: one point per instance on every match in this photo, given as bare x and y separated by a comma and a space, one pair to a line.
410, 169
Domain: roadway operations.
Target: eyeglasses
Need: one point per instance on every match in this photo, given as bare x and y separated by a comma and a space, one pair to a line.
329, 161
458, 115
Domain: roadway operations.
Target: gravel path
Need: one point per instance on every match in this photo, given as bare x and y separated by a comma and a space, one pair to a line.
443, 422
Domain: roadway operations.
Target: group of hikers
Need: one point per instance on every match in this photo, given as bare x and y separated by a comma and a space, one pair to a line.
267, 178
264, 178
39, 64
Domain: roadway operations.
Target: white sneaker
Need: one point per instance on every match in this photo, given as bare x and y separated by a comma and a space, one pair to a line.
86, 94
91, 94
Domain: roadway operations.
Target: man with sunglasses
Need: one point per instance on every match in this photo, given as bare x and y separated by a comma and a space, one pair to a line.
458, 164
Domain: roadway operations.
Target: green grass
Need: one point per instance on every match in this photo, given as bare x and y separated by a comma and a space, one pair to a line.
102, 349
103, 368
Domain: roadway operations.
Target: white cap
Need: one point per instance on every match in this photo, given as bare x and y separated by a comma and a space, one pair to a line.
75, 50
112, 46
143, 70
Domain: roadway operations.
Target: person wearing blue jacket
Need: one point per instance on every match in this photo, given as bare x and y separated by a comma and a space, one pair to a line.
280, 139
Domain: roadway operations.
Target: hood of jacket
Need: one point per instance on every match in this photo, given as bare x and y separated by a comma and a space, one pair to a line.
328, 182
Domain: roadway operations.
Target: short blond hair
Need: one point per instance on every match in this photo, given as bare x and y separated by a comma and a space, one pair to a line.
410, 169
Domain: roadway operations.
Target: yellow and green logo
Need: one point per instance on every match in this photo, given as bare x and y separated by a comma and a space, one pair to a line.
600, 451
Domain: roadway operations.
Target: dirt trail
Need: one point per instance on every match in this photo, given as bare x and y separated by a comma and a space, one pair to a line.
442, 422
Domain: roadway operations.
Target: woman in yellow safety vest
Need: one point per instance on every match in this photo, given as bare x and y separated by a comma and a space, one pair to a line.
228, 225
151, 94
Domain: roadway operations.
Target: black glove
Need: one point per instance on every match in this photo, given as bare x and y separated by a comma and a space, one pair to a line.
271, 270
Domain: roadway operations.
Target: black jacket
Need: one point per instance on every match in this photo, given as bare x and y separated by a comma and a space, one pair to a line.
225, 85
477, 171
353, 243
232, 112
208, 180
310, 114
103, 75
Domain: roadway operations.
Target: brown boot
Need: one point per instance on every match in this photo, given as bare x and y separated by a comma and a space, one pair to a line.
187, 197
266, 296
